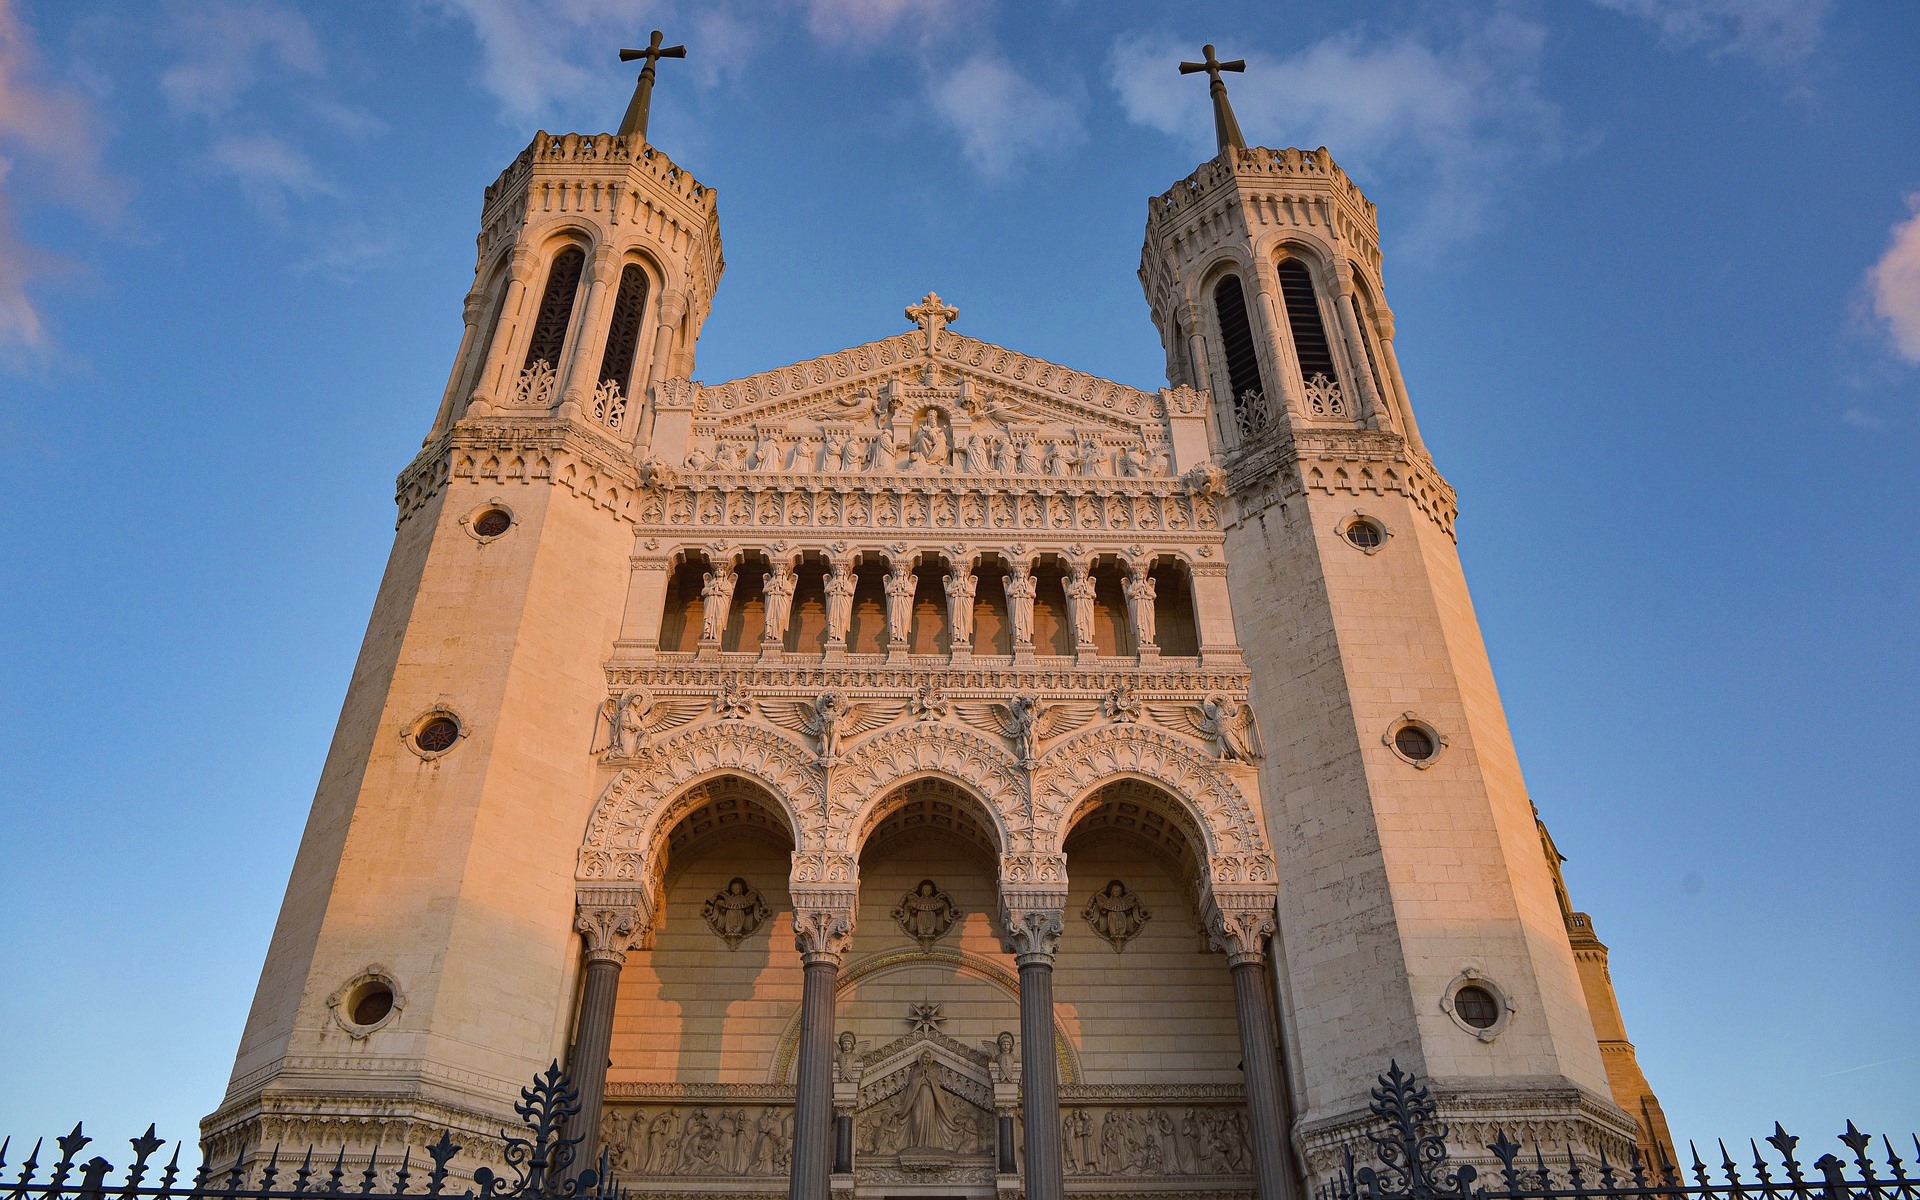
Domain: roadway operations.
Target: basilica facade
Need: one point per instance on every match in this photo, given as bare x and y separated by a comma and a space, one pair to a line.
926, 769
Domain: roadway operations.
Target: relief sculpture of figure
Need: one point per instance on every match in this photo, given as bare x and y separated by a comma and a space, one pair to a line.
1076, 1137
1021, 590
830, 453
766, 1143
1080, 594
716, 593
846, 1059
900, 587
960, 587
1116, 914
1026, 457
779, 601
926, 913
1006, 1063
839, 602
851, 452
925, 1115
1139, 589
883, 456
735, 912
659, 1150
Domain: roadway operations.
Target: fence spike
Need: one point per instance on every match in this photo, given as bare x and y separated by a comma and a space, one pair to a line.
1606, 1172
1699, 1168
1636, 1168
237, 1176
371, 1175
1574, 1178
1859, 1143
270, 1172
1726, 1164
170, 1173
303, 1172
1540, 1170
1784, 1142
93, 1178
339, 1172
1506, 1149
441, 1152
70, 1145
401, 1176
201, 1174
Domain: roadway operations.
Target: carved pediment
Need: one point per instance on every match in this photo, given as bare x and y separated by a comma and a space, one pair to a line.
929, 401
925, 1104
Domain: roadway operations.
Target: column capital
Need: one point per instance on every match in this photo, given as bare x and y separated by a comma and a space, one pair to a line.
822, 934
1238, 924
613, 923
522, 262
1033, 923
673, 306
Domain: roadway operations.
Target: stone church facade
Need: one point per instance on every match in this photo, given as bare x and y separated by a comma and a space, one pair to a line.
927, 770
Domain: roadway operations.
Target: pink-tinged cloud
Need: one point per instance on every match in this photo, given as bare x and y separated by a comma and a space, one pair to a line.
1893, 285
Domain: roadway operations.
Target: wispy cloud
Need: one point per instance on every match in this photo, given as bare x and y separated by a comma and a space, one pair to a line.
1453, 118
1774, 32
50, 148
225, 49
270, 171
534, 59
1001, 117
1893, 285
867, 21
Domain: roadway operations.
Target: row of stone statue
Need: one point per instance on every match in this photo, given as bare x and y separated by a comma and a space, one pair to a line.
902, 584
1155, 1141
699, 1141
930, 449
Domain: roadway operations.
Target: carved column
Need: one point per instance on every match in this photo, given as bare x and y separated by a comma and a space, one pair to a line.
822, 931
470, 316
673, 306
1281, 399
495, 376
1398, 383
590, 337
1240, 924
610, 924
1033, 926
1375, 415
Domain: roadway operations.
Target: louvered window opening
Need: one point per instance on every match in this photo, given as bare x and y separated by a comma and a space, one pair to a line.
1243, 362
556, 307
1303, 319
623, 332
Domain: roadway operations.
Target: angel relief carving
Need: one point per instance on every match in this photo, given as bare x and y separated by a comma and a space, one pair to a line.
1026, 721
1225, 722
632, 719
1116, 914
735, 912
926, 913
830, 719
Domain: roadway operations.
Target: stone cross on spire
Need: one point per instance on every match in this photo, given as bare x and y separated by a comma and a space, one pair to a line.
635, 122
1225, 128
932, 315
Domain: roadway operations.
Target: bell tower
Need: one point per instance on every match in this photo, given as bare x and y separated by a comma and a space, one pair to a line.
1417, 917
424, 965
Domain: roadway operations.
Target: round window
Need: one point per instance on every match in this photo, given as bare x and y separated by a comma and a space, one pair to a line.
1414, 742
1476, 1006
1365, 534
492, 522
371, 1003
437, 735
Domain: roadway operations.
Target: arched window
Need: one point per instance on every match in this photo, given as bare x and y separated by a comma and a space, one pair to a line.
1324, 397
1243, 362
623, 331
556, 308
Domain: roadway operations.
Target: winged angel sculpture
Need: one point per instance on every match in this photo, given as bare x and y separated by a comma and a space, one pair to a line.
1225, 722
1026, 721
632, 719
830, 720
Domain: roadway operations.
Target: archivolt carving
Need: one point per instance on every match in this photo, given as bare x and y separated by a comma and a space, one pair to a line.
882, 763
633, 816
1235, 846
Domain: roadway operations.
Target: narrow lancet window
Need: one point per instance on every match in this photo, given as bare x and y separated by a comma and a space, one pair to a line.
1243, 362
623, 331
556, 308
1324, 398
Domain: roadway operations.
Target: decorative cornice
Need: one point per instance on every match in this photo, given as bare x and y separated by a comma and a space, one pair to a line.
1338, 462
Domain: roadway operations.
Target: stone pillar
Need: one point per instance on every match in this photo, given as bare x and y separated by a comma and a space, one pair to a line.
1376, 416
496, 377
582, 367
1283, 389
821, 932
611, 925
673, 306
470, 315
1399, 384
1239, 929
1034, 925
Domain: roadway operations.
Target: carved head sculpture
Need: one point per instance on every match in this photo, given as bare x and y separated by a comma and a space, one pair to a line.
1115, 888
1005, 1041
736, 886
846, 1041
926, 887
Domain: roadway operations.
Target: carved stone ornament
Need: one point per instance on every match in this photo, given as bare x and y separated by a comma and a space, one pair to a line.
1033, 931
735, 912
926, 913
1116, 914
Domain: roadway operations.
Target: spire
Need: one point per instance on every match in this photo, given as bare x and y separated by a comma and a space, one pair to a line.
635, 122
1225, 128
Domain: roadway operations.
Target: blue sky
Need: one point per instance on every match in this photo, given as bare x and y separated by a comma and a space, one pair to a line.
1656, 268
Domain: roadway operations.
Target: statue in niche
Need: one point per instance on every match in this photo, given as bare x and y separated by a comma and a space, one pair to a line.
926, 913
766, 1143
1139, 589
977, 455
1000, 462
655, 1154
1080, 593
1059, 461
928, 449
1116, 914
735, 912
900, 586
779, 601
960, 585
1021, 590
925, 1115
839, 602
716, 593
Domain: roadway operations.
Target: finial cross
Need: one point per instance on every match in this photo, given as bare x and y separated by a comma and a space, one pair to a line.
1226, 130
932, 315
635, 122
